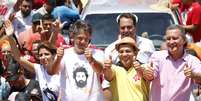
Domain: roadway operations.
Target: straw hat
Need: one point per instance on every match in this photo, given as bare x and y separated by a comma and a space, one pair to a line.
127, 40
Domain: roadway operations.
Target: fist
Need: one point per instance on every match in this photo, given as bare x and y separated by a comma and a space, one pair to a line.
60, 52
137, 66
108, 63
148, 73
88, 54
187, 71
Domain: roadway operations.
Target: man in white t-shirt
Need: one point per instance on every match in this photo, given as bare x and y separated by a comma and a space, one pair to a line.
80, 67
23, 18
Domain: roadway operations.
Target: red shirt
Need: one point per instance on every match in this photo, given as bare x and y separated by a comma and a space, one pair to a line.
194, 18
38, 3
27, 37
181, 6
60, 40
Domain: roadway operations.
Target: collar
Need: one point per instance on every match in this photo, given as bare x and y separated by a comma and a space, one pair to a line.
184, 57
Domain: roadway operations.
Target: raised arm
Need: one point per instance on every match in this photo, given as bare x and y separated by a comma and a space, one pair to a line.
15, 51
55, 32
57, 25
96, 65
56, 64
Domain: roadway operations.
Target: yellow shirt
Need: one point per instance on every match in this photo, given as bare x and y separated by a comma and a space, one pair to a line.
128, 85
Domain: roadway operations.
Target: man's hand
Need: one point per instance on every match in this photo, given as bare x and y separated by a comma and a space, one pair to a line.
43, 32
8, 28
148, 73
60, 52
88, 54
108, 74
137, 66
188, 71
57, 25
108, 63
12, 17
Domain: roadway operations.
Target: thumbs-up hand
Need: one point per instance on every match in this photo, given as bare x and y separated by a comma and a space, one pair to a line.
60, 51
137, 66
88, 54
148, 73
108, 63
187, 71
108, 74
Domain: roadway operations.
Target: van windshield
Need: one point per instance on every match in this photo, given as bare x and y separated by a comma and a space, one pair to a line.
105, 27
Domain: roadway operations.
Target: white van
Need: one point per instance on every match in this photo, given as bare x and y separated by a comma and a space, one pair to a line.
152, 19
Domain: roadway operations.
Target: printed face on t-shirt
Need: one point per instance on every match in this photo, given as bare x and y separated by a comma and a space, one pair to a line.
81, 79
80, 76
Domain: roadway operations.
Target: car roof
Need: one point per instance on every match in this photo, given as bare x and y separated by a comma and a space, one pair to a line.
106, 7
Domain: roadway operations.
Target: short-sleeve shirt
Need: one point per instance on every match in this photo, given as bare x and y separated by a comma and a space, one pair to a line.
128, 85
79, 82
170, 83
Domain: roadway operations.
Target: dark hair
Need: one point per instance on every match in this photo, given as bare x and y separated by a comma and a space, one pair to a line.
13, 69
47, 46
81, 25
80, 69
129, 16
30, 1
182, 30
48, 17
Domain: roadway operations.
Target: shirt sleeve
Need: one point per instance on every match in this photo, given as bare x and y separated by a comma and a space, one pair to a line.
195, 65
196, 16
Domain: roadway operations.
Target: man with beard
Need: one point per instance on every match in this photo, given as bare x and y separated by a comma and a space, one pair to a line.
23, 18
80, 75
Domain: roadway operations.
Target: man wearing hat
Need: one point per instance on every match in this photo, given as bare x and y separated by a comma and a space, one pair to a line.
127, 28
28, 36
126, 82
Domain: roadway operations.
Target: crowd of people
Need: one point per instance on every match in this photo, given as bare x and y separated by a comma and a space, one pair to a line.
39, 62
